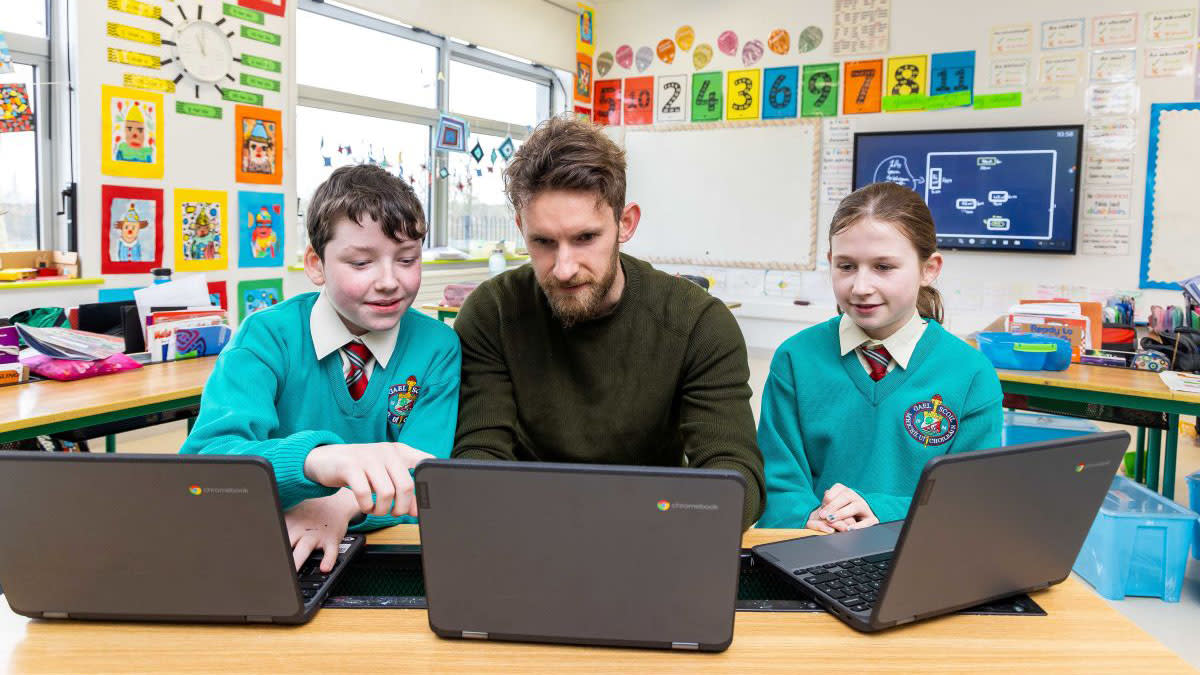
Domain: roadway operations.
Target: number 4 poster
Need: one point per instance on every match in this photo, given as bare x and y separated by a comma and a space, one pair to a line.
672, 98
820, 89
639, 100
707, 97
863, 90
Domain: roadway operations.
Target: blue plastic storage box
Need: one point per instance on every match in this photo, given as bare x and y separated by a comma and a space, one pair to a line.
1027, 427
1193, 482
1138, 544
1025, 351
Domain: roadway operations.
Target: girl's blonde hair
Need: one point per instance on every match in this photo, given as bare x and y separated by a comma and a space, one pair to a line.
903, 208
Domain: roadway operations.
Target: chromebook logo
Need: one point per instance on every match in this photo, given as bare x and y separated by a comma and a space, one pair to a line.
1080, 467
195, 490
663, 505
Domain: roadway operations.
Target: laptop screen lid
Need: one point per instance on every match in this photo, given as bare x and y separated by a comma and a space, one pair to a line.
148, 537
588, 554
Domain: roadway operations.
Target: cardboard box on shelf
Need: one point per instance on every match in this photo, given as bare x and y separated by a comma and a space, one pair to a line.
64, 263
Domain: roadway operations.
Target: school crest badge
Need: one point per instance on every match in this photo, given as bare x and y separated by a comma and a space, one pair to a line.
930, 422
401, 398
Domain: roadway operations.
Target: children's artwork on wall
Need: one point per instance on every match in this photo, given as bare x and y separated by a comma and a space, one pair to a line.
258, 294
132, 238
260, 229
583, 77
276, 7
585, 37
217, 295
201, 238
6, 65
258, 145
452, 134
132, 124
15, 111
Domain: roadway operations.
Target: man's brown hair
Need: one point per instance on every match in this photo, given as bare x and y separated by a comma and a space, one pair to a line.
565, 153
365, 189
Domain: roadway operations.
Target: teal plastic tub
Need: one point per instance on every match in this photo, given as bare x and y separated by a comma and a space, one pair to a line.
1193, 483
1028, 427
1138, 544
1025, 351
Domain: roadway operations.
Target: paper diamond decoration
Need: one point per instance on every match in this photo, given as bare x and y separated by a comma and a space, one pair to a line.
507, 149
477, 152
443, 172
452, 134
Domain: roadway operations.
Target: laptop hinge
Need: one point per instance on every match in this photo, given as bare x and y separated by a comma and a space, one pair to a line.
258, 619
685, 645
55, 615
475, 634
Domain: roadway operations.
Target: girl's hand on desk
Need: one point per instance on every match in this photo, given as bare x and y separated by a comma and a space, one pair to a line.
377, 474
844, 509
320, 524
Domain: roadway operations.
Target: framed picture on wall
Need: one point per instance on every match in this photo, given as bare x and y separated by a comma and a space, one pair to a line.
260, 229
132, 132
258, 145
201, 238
276, 7
258, 294
131, 236
217, 295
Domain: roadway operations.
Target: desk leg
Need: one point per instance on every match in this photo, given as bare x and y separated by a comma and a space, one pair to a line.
1168, 479
110, 443
1153, 449
1140, 461
191, 422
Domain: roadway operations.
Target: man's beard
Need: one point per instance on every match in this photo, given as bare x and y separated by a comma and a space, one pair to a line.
576, 308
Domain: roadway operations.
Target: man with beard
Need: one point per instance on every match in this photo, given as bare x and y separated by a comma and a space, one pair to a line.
591, 355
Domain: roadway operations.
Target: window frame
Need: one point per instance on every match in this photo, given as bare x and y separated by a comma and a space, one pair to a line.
447, 50
35, 52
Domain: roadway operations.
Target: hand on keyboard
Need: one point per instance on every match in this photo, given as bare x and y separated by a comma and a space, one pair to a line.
377, 474
320, 524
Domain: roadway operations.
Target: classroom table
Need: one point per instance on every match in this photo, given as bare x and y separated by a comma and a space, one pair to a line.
1121, 387
1081, 633
444, 312
48, 406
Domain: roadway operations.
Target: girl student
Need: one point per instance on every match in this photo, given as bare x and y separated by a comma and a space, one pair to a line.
855, 406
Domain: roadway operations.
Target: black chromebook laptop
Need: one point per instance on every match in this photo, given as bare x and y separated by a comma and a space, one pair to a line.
983, 525
151, 538
587, 554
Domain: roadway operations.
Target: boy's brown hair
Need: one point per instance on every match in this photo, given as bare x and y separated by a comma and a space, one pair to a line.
365, 189
565, 153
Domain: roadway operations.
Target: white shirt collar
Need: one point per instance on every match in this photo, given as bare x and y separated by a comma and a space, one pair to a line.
900, 344
330, 334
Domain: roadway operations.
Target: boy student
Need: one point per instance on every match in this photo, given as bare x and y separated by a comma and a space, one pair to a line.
855, 406
344, 390
590, 355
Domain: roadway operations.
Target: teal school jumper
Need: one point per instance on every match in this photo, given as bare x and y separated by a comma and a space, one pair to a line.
824, 421
269, 396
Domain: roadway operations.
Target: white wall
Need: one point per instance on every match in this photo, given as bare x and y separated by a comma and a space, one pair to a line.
977, 285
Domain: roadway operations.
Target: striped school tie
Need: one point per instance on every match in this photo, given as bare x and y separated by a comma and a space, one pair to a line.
356, 377
878, 359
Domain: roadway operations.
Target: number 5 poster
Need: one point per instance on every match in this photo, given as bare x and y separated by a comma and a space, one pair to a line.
863, 89
607, 107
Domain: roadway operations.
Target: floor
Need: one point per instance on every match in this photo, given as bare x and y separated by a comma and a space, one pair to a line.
1175, 624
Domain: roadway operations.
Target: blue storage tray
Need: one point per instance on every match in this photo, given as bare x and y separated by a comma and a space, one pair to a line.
1028, 427
1138, 544
1193, 483
1025, 351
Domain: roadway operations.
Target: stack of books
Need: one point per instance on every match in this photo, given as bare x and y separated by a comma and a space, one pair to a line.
187, 333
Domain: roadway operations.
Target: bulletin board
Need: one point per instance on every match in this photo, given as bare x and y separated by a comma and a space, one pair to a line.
1169, 228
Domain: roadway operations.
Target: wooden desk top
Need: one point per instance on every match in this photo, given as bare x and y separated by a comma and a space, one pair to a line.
1081, 634
36, 403
1123, 381
454, 310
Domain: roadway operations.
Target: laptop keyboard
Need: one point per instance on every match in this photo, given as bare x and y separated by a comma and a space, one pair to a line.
312, 580
854, 584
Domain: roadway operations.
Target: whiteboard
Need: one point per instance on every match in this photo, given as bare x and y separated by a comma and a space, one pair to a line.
716, 194
1169, 226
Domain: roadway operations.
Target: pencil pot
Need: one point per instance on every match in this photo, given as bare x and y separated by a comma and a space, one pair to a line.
1025, 352
1138, 544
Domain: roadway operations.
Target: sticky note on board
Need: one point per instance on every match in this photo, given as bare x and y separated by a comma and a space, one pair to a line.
989, 101
910, 103
944, 101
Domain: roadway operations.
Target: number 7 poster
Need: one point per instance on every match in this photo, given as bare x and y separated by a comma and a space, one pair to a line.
863, 88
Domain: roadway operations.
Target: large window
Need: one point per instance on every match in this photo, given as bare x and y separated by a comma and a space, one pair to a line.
19, 176
380, 101
26, 17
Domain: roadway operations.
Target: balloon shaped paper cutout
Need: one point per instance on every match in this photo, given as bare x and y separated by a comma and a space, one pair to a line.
727, 42
645, 56
684, 37
808, 39
779, 41
604, 63
624, 56
752, 51
666, 51
702, 55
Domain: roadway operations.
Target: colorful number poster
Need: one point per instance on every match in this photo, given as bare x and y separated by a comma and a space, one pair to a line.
743, 86
132, 121
132, 238
906, 75
258, 145
707, 97
863, 88
585, 35
200, 230
15, 112
639, 100
1114, 29
1062, 34
217, 295
952, 73
258, 294
820, 93
607, 107
781, 98
276, 7
672, 98
260, 227
583, 78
